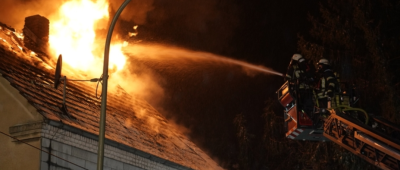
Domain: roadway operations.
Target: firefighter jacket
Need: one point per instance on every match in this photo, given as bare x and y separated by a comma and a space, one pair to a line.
297, 73
326, 85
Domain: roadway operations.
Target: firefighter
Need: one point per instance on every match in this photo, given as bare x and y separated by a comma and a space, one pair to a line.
327, 84
300, 76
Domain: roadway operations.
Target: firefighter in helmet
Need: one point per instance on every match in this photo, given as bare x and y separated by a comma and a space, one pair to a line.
300, 75
327, 83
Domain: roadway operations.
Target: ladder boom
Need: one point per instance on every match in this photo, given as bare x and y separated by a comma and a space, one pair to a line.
375, 146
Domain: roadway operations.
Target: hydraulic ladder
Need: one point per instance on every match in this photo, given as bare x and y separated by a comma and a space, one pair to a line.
379, 144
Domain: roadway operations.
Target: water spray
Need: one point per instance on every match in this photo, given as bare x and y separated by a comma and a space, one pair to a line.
163, 52
254, 67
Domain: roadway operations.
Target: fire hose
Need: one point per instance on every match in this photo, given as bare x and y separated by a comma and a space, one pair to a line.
348, 108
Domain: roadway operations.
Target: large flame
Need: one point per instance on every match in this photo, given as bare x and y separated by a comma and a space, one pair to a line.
72, 34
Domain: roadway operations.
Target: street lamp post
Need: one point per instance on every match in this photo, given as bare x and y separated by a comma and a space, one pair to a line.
100, 152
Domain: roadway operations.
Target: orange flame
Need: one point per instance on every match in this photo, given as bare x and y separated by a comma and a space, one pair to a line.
72, 34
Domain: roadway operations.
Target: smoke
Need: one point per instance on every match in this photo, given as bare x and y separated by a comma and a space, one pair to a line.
139, 81
206, 25
135, 11
13, 12
201, 91
198, 24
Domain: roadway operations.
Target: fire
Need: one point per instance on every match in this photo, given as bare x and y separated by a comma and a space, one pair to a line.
73, 34
117, 58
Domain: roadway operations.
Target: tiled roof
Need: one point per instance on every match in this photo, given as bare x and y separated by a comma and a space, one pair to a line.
33, 78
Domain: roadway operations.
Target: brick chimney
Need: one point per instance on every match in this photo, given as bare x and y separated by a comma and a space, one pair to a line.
36, 31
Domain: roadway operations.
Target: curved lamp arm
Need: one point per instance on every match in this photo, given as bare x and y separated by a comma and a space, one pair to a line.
100, 152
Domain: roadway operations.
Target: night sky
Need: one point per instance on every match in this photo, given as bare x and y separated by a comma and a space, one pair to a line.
256, 31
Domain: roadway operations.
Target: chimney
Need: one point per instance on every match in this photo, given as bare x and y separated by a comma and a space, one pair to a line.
36, 31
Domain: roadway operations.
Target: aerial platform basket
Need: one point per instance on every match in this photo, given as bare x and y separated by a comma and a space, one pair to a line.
297, 124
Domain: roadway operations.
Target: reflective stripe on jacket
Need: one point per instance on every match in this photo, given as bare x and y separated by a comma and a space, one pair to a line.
326, 84
295, 74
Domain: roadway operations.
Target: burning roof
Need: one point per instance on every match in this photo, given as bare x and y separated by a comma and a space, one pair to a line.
130, 122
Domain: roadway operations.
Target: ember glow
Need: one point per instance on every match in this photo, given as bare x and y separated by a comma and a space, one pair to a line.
73, 34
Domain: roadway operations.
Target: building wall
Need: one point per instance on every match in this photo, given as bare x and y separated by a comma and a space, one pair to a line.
15, 110
82, 151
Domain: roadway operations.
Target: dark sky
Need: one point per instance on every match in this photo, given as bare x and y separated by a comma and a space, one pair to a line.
257, 31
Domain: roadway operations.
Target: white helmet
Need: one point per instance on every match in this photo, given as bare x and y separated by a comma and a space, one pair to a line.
324, 61
296, 57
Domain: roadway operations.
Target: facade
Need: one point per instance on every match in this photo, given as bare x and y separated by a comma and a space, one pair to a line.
31, 110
